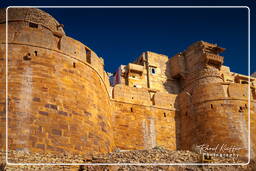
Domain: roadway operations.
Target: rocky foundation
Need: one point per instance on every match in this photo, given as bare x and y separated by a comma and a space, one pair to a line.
157, 155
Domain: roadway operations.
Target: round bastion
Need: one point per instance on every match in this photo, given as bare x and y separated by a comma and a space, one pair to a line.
58, 100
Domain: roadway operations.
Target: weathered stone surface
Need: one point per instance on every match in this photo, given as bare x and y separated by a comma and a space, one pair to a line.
50, 89
210, 104
60, 100
160, 155
156, 155
143, 127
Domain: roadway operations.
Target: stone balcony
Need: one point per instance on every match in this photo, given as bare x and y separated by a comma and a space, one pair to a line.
135, 68
213, 59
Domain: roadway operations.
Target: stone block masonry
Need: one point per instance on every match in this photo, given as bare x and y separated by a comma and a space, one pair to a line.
54, 90
60, 100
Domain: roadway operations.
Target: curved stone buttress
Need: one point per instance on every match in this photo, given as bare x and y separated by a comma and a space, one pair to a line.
58, 91
212, 112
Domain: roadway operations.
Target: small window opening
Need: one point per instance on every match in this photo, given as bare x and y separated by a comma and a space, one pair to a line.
132, 97
165, 115
59, 44
131, 109
134, 86
88, 56
27, 57
153, 70
211, 106
244, 82
33, 25
74, 65
240, 109
35, 53
245, 106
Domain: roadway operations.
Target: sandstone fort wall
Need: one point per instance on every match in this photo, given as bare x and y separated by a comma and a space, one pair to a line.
60, 98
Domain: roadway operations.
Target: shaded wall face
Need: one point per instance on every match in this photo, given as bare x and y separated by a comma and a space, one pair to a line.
2, 95
57, 102
217, 114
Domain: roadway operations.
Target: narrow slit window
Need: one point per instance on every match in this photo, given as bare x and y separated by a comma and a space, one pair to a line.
153, 70
88, 56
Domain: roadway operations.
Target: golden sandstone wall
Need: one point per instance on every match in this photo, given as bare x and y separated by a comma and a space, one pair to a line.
138, 124
211, 111
210, 102
2, 94
58, 99
161, 80
217, 114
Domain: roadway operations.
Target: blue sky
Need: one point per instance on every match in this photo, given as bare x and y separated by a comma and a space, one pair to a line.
121, 35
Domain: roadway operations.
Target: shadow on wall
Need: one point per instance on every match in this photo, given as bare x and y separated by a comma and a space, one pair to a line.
171, 85
177, 119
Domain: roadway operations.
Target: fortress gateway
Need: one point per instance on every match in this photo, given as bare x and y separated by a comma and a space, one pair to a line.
60, 99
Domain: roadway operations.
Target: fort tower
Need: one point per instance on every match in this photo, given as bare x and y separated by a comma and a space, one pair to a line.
60, 99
